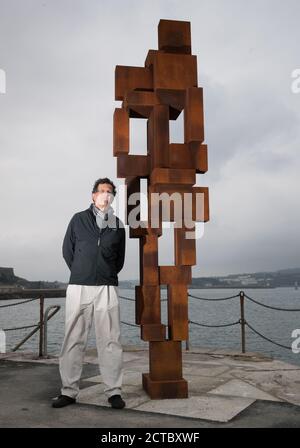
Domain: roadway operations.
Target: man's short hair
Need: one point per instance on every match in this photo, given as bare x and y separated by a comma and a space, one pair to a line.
104, 180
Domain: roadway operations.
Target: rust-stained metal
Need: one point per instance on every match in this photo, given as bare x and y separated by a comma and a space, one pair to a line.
158, 92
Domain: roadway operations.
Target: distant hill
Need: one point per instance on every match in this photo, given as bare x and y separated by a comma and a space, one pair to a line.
283, 277
289, 271
264, 279
9, 280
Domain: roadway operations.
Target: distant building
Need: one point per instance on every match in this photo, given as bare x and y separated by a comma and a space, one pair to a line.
7, 275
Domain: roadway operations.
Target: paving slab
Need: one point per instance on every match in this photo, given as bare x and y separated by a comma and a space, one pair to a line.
222, 385
283, 384
238, 388
213, 408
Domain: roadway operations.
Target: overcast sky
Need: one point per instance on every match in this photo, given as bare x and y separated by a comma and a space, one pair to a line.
59, 57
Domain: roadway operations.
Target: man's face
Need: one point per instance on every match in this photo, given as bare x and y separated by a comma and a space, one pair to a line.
104, 196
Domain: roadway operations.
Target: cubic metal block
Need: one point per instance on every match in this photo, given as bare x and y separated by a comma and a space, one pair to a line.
174, 36
131, 78
120, 132
166, 86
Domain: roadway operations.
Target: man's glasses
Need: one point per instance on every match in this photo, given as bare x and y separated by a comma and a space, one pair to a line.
109, 196
103, 192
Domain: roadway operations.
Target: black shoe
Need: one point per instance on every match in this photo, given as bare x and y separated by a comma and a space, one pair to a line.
116, 401
62, 400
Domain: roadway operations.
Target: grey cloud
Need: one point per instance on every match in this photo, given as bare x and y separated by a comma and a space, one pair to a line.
56, 123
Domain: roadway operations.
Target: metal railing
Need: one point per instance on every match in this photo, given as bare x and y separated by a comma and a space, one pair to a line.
241, 321
42, 325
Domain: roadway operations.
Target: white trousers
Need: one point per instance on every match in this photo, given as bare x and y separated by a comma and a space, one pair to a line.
83, 305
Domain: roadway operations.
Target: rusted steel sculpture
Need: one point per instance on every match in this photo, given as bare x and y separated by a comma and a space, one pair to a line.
159, 92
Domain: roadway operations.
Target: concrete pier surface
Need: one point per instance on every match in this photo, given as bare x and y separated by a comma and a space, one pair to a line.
226, 389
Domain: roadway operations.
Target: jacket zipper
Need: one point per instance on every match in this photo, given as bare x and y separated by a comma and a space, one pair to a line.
98, 244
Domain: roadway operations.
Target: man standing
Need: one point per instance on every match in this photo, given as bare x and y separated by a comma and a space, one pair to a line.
94, 250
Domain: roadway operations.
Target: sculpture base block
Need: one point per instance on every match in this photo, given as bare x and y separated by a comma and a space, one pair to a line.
166, 388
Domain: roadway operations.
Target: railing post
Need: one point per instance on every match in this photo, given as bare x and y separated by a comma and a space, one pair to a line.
187, 342
242, 321
46, 318
41, 325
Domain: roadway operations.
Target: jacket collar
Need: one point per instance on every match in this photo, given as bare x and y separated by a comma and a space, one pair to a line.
111, 216
105, 214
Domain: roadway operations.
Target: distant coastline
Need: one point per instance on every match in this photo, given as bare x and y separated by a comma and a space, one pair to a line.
13, 287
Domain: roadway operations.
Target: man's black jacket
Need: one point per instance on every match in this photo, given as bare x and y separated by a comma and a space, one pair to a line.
94, 256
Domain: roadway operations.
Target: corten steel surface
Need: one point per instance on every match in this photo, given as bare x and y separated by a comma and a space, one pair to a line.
159, 92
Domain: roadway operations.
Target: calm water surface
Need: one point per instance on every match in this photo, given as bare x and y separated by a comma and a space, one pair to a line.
276, 325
